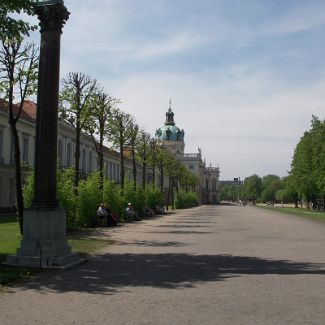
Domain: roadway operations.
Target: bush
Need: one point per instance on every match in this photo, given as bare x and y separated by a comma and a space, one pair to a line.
153, 197
136, 197
81, 209
89, 198
67, 196
113, 197
28, 190
186, 200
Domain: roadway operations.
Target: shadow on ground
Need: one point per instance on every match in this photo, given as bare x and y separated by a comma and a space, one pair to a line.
110, 273
152, 243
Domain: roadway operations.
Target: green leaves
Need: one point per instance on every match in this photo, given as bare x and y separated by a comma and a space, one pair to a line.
13, 27
308, 164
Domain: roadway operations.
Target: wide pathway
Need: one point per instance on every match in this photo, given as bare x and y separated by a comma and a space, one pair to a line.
208, 265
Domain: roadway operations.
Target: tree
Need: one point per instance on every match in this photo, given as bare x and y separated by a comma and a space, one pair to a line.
98, 126
134, 139
18, 80
162, 160
308, 166
12, 27
76, 108
174, 169
251, 189
153, 150
143, 154
287, 193
121, 124
230, 192
270, 185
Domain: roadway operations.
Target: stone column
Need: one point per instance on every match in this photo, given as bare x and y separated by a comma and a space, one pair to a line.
44, 242
52, 19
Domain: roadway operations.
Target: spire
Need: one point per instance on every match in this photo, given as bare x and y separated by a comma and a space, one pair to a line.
170, 115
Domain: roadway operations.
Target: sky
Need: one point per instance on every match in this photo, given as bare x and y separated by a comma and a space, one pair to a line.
244, 76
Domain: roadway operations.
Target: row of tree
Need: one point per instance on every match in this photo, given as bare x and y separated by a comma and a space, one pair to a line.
85, 106
257, 189
306, 179
88, 109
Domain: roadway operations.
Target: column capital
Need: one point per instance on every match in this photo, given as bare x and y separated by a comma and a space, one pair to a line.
52, 16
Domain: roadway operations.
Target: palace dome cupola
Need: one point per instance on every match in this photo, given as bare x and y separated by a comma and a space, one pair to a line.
171, 135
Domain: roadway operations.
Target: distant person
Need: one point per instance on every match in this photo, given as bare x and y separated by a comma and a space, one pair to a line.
130, 213
102, 213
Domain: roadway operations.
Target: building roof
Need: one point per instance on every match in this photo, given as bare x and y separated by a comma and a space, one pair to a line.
28, 112
170, 132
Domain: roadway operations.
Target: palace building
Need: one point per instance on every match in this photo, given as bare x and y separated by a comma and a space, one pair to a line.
66, 148
172, 138
170, 135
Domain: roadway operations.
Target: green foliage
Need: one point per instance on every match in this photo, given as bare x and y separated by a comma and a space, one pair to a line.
89, 198
130, 195
67, 196
251, 189
270, 185
186, 200
308, 164
13, 27
28, 190
153, 197
113, 197
230, 192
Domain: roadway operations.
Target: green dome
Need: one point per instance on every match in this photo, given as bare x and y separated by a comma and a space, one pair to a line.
170, 132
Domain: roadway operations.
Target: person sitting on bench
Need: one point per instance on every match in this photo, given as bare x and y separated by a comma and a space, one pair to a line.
102, 214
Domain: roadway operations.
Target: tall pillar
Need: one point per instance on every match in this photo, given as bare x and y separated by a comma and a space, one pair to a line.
52, 18
44, 241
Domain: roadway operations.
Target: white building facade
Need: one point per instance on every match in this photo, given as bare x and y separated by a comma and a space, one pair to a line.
66, 153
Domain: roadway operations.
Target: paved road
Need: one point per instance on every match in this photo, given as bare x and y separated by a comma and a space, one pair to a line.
208, 265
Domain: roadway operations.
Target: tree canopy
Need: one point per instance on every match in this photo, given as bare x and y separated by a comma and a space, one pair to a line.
11, 26
308, 163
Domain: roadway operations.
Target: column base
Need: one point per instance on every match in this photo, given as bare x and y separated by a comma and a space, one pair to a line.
44, 243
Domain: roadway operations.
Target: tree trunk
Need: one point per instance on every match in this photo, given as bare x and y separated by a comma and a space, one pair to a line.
168, 192
122, 160
153, 175
101, 160
134, 170
77, 158
18, 178
101, 170
144, 176
161, 178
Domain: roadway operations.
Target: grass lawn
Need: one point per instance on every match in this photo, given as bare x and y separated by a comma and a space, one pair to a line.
318, 215
80, 242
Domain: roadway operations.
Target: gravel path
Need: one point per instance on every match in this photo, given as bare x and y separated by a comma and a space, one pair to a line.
208, 265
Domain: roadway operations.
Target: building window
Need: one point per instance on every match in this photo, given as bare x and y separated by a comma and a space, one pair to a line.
1, 146
118, 174
60, 153
25, 148
68, 154
83, 161
106, 170
206, 184
214, 185
191, 167
110, 171
12, 149
90, 162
